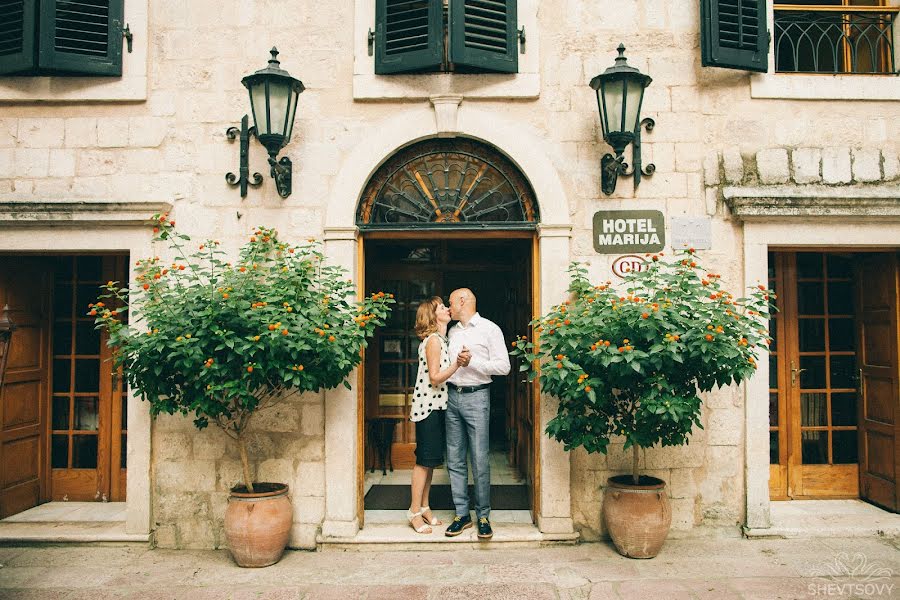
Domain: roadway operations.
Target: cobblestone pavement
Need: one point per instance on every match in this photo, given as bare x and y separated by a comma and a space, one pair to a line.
717, 569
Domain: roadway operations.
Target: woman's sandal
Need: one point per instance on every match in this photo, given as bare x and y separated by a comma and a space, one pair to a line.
424, 528
434, 520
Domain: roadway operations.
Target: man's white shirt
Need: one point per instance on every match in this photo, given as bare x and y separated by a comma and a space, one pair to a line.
489, 355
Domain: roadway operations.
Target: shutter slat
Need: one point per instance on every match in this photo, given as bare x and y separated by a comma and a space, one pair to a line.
82, 36
17, 36
408, 35
483, 34
733, 34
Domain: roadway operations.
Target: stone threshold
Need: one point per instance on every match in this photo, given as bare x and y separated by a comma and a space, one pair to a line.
68, 532
399, 537
827, 519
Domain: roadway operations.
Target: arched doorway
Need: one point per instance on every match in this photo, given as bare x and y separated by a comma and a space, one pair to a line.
438, 215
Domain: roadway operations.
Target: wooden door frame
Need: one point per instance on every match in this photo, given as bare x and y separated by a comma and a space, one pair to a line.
361, 376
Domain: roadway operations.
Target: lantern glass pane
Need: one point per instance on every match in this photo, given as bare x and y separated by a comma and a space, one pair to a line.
634, 94
603, 122
614, 93
258, 102
292, 109
279, 94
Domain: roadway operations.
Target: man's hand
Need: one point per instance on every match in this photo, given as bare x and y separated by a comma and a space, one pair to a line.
463, 358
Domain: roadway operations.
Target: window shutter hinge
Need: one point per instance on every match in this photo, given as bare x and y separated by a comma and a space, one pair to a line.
371, 41
522, 40
126, 33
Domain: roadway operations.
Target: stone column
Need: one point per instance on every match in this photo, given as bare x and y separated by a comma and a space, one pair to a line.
555, 512
341, 417
756, 401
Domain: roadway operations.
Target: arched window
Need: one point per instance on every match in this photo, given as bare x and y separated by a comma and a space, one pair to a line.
447, 183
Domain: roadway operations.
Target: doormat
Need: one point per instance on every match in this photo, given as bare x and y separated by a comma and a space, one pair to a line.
396, 497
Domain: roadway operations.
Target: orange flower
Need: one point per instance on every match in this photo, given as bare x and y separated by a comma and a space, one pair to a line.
559, 365
146, 286
250, 369
331, 338
709, 337
271, 326
587, 388
284, 332
644, 315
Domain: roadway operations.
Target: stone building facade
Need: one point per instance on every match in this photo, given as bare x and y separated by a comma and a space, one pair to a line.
764, 162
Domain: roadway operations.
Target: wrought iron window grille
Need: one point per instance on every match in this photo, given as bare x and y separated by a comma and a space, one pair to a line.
454, 184
835, 39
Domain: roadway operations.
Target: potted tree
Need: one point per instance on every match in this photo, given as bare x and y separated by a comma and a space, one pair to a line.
633, 363
221, 341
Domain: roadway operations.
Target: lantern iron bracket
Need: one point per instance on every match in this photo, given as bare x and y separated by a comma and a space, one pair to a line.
243, 178
282, 173
612, 166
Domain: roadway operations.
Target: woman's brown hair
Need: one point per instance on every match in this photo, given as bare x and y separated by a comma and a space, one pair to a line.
426, 316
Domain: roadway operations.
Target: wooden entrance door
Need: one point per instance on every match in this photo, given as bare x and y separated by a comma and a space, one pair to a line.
879, 410
813, 377
498, 272
25, 287
88, 408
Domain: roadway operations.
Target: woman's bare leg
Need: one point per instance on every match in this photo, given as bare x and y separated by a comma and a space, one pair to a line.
420, 477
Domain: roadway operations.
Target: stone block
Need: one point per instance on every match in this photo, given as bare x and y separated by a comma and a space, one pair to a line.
193, 475
734, 165
836, 165
147, 132
891, 164
674, 457
866, 165
711, 174
683, 482
31, 162
22, 186
661, 185
282, 417
312, 419
7, 162
179, 506
662, 155
308, 509
310, 480
683, 517
62, 163
172, 446
303, 536
41, 133
711, 201
97, 162
772, 166
689, 157
724, 427
276, 470
573, 126
259, 445
209, 444
806, 165
197, 535
166, 535
52, 188
305, 449
228, 474
81, 132
112, 133
140, 160
685, 98
8, 130
90, 187
876, 130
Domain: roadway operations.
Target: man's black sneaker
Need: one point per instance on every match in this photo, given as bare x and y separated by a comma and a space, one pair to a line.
484, 529
458, 525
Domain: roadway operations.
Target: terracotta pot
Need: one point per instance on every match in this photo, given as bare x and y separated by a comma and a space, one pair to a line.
257, 525
637, 517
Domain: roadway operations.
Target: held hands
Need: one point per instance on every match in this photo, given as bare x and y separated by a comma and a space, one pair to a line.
463, 358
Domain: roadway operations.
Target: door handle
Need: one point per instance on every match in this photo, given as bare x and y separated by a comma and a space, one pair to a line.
794, 373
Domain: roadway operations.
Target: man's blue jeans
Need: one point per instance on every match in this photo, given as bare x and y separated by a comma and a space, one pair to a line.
467, 423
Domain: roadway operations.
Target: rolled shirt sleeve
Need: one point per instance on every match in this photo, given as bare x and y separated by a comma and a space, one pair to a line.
497, 363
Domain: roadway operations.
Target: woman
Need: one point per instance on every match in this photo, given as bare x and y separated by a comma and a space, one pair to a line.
429, 404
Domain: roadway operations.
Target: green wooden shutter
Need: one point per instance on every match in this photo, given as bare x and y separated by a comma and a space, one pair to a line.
409, 35
483, 35
734, 34
81, 37
17, 36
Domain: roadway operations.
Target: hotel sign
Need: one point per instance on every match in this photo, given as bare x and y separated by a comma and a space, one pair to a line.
626, 231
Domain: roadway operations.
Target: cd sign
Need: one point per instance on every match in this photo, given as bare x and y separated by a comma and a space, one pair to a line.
628, 263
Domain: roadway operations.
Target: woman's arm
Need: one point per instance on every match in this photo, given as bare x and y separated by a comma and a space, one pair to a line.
433, 359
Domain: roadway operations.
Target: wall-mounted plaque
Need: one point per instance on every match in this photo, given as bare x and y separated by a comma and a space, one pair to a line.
625, 231
690, 232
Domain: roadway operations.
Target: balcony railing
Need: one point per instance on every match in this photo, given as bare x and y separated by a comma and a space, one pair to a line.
834, 39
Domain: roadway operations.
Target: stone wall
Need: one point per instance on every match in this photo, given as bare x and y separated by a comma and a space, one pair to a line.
194, 470
710, 132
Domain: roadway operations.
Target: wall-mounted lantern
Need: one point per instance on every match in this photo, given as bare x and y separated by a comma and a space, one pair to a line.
620, 93
273, 101
6, 330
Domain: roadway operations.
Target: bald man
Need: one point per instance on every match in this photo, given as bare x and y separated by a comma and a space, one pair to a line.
478, 346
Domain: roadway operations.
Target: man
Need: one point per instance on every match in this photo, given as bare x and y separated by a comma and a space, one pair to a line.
481, 352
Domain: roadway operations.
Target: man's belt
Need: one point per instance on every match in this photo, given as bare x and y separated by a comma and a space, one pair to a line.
468, 389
